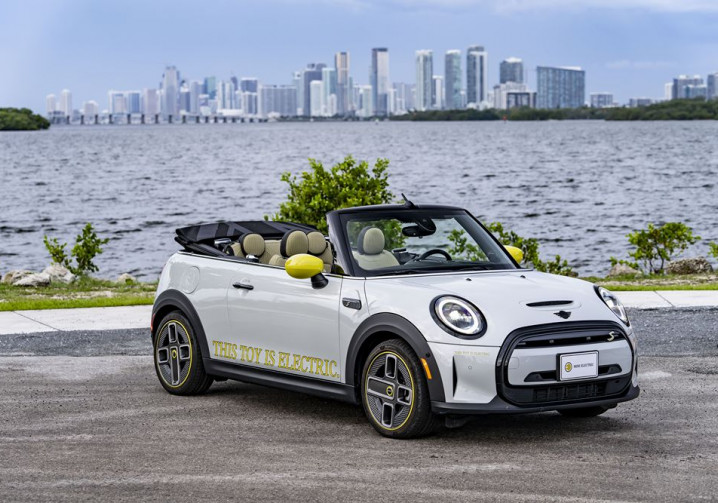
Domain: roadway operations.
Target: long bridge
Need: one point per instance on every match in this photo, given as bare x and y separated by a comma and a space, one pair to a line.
130, 119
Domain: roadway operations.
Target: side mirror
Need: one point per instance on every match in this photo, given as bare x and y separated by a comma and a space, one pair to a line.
516, 253
305, 266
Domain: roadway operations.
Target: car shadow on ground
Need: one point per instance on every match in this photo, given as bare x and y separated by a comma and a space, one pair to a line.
300, 408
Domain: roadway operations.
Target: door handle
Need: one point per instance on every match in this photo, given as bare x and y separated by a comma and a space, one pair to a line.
244, 286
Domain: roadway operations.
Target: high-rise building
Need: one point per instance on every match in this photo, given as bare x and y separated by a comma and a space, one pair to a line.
298, 82
437, 92
210, 87
170, 91
712, 86
683, 86
195, 90
452, 80
511, 70
504, 92
601, 100
403, 97
132, 99
312, 72
344, 90
279, 100
668, 91
249, 84
226, 98
90, 108
50, 104
185, 98
363, 101
66, 102
117, 104
424, 79
329, 91
379, 80
563, 87
249, 88
150, 102
477, 74
316, 102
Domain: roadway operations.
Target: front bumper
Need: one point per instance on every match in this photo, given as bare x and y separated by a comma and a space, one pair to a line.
498, 406
522, 376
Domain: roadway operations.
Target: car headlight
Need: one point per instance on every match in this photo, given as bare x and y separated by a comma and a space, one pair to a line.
613, 304
458, 316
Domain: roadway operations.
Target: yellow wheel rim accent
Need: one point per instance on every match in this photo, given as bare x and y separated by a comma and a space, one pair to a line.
174, 353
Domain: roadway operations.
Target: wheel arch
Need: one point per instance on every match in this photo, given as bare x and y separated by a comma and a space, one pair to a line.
379, 328
174, 300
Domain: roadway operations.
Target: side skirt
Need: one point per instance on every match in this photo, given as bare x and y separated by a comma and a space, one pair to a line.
336, 391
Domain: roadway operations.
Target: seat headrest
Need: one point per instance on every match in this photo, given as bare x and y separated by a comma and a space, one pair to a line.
317, 243
370, 241
252, 244
293, 243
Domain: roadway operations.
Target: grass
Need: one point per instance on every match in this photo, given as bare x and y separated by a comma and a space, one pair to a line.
658, 282
85, 292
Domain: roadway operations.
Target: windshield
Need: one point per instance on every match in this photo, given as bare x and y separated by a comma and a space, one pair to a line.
419, 241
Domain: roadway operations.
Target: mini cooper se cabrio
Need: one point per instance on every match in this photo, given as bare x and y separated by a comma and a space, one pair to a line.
390, 312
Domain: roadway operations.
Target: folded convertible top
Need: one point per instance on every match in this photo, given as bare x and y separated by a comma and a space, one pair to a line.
200, 238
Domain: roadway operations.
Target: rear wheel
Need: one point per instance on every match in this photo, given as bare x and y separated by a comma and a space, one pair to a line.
178, 358
394, 392
584, 411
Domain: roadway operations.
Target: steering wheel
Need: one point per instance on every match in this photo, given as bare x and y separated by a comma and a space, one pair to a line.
434, 251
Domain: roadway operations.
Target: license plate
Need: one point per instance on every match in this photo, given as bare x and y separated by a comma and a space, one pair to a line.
578, 365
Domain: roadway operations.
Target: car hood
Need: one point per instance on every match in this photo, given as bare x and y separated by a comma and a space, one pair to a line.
508, 299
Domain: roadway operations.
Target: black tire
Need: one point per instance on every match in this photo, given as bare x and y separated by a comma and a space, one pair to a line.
394, 392
584, 411
178, 358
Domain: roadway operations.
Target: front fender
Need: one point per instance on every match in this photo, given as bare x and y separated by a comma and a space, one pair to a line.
401, 328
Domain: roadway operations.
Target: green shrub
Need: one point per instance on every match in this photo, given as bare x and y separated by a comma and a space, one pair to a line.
657, 245
87, 246
318, 191
714, 249
530, 246
21, 119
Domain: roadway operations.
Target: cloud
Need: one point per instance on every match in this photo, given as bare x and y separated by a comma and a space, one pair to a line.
573, 5
623, 64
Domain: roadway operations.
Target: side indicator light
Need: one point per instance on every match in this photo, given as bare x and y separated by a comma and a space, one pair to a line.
426, 368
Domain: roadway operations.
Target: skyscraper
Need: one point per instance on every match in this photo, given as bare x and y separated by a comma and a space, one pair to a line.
315, 100
195, 89
379, 80
712, 84
312, 72
452, 80
50, 104
280, 100
477, 74
116, 102
684, 86
90, 108
133, 102
150, 102
563, 87
170, 91
511, 70
210, 87
329, 91
344, 94
424, 79
437, 93
66, 102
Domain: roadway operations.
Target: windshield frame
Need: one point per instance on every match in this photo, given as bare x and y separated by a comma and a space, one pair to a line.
338, 219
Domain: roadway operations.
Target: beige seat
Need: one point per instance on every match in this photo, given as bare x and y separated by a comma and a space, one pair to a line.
251, 244
292, 243
370, 253
320, 247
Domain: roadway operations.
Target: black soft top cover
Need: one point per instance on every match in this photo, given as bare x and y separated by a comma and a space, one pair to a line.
200, 238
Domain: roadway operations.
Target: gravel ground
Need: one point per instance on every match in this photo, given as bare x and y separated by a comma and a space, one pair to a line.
85, 419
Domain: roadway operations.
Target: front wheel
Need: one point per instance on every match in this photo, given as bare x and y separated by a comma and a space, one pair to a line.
584, 411
394, 392
178, 359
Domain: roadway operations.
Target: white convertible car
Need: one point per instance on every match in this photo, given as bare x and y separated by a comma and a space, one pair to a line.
387, 311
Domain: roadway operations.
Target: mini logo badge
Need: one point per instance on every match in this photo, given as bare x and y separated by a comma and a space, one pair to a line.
563, 314
568, 367
390, 391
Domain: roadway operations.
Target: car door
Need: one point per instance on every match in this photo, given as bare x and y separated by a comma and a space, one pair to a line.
284, 324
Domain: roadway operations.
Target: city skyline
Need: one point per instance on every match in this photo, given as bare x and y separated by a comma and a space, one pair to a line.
630, 48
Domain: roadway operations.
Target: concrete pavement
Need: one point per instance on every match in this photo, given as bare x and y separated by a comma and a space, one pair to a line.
131, 317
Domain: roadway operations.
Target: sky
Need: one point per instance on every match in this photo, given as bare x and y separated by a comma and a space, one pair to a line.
628, 47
